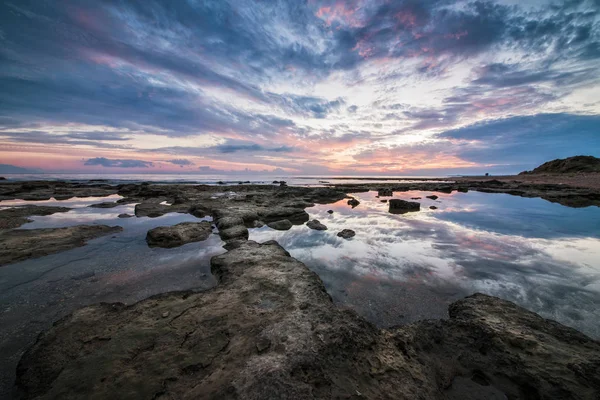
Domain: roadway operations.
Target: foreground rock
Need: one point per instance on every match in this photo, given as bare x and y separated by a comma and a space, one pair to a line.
22, 244
316, 225
178, 235
398, 206
14, 217
270, 330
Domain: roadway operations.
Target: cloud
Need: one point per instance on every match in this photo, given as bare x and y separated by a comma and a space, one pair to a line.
292, 84
527, 141
181, 162
234, 147
108, 163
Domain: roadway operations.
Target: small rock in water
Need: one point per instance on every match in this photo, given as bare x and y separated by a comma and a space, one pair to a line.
281, 225
329, 211
125, 215
346, 233
415, 198
383, 201
398, 206
432, 207
316, 225
432, 197
385, 192
353, 202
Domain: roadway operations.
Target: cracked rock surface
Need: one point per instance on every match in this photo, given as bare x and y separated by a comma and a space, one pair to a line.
270, 330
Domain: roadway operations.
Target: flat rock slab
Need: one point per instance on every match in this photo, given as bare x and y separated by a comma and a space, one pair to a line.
270, 330
14, 217
22, 244
178, 235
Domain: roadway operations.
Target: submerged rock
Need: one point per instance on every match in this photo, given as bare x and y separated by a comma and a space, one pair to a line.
270, 330
281, 225
398, 206
346, 233
125, 215
432, 197
316, 225
22, 244
178, 235
329, 211
106, 204
14, 217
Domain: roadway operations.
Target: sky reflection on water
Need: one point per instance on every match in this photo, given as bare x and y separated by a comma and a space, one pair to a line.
402, 268
115, 268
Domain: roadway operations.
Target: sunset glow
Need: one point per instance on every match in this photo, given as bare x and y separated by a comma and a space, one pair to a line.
359, 87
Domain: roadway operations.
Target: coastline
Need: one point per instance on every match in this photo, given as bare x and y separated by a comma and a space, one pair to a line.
274, 323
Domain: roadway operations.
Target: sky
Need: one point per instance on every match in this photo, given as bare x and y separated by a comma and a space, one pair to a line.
307, 87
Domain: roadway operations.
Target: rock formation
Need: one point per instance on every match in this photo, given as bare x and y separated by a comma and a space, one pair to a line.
178, 235
270, 330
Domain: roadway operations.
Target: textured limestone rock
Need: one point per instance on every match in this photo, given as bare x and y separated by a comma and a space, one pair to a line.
22, 244
270, 330
14, 217
178, 235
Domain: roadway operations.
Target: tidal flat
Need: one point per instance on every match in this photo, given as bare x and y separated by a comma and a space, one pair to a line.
536, 245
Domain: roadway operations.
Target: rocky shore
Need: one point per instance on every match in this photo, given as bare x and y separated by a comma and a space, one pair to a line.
269, 329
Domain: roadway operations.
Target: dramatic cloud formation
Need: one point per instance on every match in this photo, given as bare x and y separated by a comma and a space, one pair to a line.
306, 87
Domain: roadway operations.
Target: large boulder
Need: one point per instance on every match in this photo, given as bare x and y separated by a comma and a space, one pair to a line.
178, 235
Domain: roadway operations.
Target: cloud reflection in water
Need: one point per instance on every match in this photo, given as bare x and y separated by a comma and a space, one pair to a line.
402, 268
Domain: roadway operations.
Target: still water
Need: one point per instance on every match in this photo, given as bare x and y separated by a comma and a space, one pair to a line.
402, 268
397, 269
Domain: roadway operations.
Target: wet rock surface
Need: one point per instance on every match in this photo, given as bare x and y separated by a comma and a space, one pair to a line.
316, 225
21, 244
281, 225
270, 330
178, 235
346, 233
14, 217
398, 206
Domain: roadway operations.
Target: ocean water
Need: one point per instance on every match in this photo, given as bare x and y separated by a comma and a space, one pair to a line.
214, 179
397, 269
